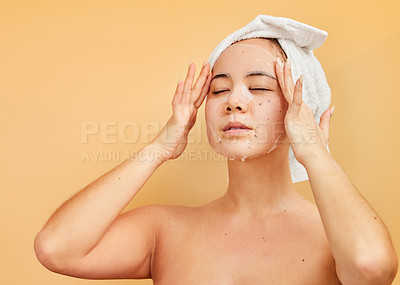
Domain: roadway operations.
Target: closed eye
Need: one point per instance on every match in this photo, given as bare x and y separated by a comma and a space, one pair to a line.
220, 91
255, 89
260, 89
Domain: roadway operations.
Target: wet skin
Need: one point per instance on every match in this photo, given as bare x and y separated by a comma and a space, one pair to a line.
230, 240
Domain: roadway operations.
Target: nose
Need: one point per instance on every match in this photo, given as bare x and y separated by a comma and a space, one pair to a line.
236, 102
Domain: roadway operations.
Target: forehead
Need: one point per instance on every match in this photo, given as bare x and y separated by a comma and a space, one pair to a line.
247, 54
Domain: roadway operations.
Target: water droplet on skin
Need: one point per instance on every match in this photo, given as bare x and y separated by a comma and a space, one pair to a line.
246, 93
275, 145
243, 159
247, 141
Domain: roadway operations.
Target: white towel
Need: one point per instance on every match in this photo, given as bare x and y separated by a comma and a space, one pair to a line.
297, 40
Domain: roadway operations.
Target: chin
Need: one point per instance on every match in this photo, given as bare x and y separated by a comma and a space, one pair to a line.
239, 150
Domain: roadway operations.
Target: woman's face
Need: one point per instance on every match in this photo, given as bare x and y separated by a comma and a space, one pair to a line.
245, 108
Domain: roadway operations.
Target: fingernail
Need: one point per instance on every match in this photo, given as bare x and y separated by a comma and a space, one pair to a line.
301, 79
288, 62
204, 63
179, 81
333, 108
190, 63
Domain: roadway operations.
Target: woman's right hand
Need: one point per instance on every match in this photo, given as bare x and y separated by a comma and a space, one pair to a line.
172, 139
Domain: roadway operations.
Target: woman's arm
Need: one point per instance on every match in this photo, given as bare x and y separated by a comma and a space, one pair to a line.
360, 242
67, 241
87, 237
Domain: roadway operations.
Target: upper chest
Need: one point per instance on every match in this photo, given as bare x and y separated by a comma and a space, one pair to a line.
281, 250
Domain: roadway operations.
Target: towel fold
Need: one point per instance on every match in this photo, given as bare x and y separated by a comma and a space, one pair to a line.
298, 41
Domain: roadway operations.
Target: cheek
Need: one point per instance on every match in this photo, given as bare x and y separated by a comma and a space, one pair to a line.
209, 112
270, 118
211, 119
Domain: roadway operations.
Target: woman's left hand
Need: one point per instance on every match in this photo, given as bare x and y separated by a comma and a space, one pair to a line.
307, 138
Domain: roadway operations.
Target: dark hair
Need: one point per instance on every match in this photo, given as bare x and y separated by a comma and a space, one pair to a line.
275, 42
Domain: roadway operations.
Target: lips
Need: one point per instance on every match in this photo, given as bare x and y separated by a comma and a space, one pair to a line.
235, 126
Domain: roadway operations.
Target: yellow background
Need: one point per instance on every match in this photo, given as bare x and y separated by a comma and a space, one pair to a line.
64, 63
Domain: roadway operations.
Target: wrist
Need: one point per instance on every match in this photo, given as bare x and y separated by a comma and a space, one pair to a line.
150, 153
312, 157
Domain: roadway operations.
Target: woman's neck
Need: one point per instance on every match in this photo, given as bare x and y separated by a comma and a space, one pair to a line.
261, 184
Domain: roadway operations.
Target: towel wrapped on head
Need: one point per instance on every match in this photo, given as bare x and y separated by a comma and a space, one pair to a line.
298, 41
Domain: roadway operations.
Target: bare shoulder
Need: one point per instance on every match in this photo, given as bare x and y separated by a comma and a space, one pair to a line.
310, 220
311, 228
161, 216
163, 211
158, 211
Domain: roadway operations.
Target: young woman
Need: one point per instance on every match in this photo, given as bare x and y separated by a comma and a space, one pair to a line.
260, 231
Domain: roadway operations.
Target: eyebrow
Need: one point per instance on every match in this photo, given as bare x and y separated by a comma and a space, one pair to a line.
260, 73
249, 74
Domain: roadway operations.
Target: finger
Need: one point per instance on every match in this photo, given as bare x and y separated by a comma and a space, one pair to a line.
204, 92
281, 81
201, 80
287, 76
325, 122
188, 83
178, 93
297, 97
